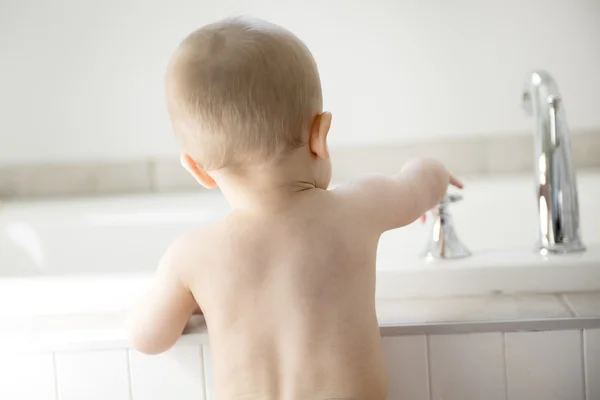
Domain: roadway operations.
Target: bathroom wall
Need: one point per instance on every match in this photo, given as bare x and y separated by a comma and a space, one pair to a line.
82, 80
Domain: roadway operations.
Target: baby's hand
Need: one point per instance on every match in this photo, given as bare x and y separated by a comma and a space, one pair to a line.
454, 182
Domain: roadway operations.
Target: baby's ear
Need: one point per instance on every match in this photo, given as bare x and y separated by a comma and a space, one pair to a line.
198, 173
318, 135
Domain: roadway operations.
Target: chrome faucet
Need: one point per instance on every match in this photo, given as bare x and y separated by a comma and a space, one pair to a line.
443, 241
555, 181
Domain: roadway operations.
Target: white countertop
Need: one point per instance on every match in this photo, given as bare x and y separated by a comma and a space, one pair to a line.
396, 317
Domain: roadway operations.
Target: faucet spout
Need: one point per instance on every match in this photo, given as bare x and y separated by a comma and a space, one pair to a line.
555, 180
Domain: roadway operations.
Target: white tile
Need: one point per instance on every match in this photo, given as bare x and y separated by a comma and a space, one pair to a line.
467, 367
177, 373
84, 178
168, 175
592, 363
93, 375
208, 373
123, 177
585, 304
460, 157
544, 365
27, 376
406, 360
520, 148
586, 148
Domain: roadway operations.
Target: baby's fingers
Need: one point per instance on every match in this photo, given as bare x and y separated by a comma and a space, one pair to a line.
455, 182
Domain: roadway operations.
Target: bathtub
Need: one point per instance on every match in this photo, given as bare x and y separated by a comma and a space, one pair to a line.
70, 268
65, 257
72, 253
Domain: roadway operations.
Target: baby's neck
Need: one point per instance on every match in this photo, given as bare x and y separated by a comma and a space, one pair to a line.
260, 197
268, 187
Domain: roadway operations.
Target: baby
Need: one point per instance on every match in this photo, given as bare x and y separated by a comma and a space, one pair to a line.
286, 282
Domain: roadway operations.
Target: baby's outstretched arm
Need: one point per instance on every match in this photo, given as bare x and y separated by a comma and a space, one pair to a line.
158, 319
393, 202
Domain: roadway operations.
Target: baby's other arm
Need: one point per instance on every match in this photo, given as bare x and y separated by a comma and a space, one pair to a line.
393, 202
158, 319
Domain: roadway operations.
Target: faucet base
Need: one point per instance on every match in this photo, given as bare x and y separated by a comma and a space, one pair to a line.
444, 242
446, 254
562, 248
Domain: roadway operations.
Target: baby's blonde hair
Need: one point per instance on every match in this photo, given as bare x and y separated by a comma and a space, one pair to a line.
242, 91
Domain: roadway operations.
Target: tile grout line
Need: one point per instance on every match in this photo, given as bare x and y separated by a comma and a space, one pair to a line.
564, 300
201, 348
152, 179
55, 375
206, 367
505, 370
130, 386
428, 369
586, 388
453, 328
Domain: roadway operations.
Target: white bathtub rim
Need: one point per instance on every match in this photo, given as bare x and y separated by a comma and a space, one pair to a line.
510, 272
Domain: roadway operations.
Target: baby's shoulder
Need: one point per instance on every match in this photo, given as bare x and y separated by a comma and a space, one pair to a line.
185, 252
195, 242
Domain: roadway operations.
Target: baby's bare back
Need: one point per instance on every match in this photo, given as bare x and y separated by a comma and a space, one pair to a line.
288, 288
288, 297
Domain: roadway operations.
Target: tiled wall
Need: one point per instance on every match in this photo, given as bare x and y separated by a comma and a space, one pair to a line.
467, 156
84, 80
548, 365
